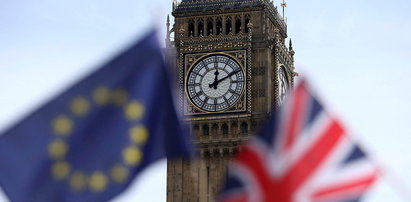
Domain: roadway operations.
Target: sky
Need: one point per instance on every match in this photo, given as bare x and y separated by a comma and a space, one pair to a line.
356, 54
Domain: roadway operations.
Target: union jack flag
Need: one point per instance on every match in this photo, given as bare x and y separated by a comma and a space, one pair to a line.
303, 154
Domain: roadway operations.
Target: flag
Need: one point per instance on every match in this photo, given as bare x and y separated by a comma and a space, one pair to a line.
91, 141
303, 154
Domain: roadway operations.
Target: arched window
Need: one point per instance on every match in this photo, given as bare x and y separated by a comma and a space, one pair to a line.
196, 129
247, 21
219, 26
238, 25
206, 130
214, 129
244, 128
209, 27
224, 129
200, 28
234, 128
228, 26
191, 28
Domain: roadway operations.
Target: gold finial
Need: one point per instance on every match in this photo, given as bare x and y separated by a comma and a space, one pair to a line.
283, 5
250, 25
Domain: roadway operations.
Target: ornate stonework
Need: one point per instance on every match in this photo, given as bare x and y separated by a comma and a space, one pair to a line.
250, 32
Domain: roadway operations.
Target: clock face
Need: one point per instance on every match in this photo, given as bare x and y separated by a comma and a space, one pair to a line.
215, 83
283, 85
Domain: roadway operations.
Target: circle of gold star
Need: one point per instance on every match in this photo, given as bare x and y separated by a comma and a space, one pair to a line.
63, 126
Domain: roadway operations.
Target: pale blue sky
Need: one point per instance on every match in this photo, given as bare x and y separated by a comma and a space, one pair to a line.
356, 52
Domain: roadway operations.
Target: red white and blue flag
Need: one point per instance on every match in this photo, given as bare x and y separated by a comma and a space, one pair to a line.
302, 155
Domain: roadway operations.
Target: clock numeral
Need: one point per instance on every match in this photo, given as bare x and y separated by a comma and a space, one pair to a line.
225, 100
205, 66
193, 84
205, 101
236, 81
226, 64
199, 93
233, 91
215, 104
198, 74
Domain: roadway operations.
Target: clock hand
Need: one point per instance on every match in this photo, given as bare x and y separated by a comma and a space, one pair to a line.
216, 73
216, 82
228, 76
216, 78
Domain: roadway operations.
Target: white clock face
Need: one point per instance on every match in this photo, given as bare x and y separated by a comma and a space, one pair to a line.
283, 85
215, 83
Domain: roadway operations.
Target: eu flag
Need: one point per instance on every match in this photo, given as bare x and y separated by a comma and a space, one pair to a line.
91, 141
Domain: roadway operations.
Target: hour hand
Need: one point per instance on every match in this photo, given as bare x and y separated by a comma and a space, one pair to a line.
215, 83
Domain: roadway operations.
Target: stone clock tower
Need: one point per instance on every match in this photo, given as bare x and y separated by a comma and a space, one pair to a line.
232, 69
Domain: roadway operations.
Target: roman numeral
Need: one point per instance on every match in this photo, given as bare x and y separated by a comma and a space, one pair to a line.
228, 60
205, 101
232, 91
226, 101
215, 104
197, 74
237, 81
193, 84
205, 66
199, 93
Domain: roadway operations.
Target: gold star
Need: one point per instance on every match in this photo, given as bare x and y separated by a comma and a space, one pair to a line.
98, 182
78, 181
134, 111
79, 106
57, 149
119, 173
62, 125
60, 170
119, 97
101, 95
132, 156
138, 134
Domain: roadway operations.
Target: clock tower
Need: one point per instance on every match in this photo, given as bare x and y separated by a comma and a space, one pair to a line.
232, 68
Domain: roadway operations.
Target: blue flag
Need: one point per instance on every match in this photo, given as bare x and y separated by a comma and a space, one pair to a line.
90, 142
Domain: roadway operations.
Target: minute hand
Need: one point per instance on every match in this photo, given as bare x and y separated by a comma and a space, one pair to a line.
228, 76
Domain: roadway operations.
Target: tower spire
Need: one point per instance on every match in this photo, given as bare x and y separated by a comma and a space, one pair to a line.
168, 31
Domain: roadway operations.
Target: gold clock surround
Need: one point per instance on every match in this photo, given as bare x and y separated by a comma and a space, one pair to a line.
239, 56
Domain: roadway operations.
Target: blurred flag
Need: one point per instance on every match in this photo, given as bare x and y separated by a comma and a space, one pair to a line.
303, 154
90, 142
